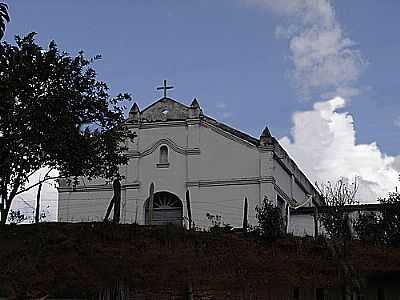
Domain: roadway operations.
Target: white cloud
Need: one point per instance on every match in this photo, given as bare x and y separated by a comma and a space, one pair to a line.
397, 122
223, 110
323, 57
26, 202
221, 105
325, 60
325, 148
227, 114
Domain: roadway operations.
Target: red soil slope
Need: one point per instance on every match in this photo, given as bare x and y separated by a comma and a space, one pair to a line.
78, 260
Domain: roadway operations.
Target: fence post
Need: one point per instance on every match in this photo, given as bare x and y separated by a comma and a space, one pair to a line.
37, 209
316, 221
151, 202
189, 210
245, 209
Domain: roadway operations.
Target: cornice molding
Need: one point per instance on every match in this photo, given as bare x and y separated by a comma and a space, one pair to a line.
170, 143
169, 123
98, 188
192, 121
267, 148
231, 181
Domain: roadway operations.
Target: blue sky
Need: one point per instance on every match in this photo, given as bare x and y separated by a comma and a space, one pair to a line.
228, 55
221, 51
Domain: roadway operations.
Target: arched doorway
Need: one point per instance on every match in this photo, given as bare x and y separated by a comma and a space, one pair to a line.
167, 208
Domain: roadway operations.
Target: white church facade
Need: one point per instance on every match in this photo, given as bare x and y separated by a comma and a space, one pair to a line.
180, 149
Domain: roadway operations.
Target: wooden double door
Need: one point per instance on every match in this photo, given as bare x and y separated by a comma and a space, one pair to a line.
167, 208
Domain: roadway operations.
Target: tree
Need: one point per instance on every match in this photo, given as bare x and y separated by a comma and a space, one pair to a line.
390, 219
55, 113
383, 226
4, 18
333, 215
270, 221
368, 227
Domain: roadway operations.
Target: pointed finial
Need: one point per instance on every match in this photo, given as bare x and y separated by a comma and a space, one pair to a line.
195, 110
135, 108
265, 137
134, 113
266, 133
195, 104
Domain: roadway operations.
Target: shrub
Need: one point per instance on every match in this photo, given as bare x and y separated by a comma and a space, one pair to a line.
16, 217
217, 224
270, 221
368, 227
383, 227
336, 196
390, 219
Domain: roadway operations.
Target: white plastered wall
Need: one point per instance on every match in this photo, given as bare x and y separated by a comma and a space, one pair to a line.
218, 168
213, 175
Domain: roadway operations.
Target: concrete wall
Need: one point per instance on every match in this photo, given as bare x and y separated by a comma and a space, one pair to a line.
225, 158
225, 172
225, 202
219, 167
288, 185
283, 179
302, 221
301, 225
83, 206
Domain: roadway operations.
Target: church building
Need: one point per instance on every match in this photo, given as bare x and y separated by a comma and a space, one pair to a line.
180, 149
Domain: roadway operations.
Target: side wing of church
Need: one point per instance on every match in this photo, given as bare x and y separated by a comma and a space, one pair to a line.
180, 149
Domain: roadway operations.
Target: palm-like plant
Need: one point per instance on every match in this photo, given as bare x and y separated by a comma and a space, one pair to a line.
4, 18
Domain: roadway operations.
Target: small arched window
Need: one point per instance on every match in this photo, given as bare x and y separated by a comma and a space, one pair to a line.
163, 157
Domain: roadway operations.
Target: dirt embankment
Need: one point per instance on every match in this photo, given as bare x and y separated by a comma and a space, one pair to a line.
79, 260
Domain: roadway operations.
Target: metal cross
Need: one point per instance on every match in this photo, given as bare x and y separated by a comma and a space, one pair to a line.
165, 88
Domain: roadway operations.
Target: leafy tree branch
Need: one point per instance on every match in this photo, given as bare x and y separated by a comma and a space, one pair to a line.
4, 18
55, 113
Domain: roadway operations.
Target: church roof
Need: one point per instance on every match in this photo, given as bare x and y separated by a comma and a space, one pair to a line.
233, 131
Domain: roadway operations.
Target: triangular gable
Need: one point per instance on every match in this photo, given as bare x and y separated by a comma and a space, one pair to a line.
165, 109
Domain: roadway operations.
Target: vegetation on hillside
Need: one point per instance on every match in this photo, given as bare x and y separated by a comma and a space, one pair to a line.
383, 226
336, 196
79, 260
270, 225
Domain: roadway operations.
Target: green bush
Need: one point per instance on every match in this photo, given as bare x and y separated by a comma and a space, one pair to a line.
336, 196
390, 219
369, 228
270, 221
217, 224
16, 217
384, 226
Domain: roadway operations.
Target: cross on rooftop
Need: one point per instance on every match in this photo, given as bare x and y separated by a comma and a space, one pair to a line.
165, 88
